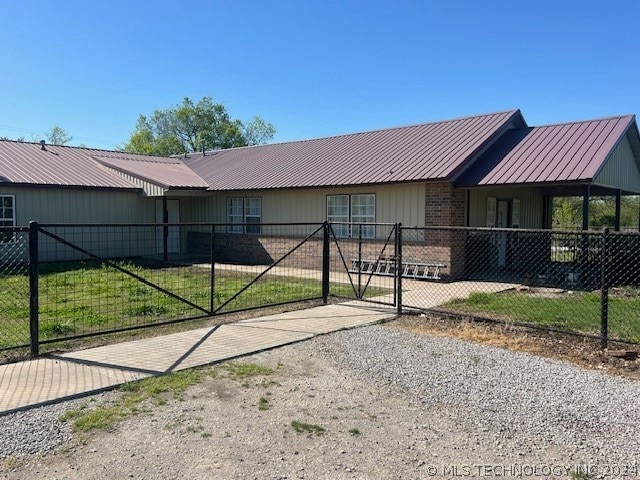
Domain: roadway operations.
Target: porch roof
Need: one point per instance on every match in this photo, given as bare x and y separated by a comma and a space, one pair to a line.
604, 152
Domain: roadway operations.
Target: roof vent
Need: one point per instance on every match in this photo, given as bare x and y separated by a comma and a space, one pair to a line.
43, 145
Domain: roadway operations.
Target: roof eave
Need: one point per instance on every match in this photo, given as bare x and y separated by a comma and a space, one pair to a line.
69, 186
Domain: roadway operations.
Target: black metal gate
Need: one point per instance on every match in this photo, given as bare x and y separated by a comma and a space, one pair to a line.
365, 258
87, 280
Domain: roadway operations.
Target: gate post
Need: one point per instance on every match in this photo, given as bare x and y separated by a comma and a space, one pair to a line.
325, 262
399, 267
34, 327
604, 292
359, 261
212, 259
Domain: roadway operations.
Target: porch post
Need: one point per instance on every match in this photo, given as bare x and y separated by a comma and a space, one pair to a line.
616, 225
165, 229
585, 206
547, 212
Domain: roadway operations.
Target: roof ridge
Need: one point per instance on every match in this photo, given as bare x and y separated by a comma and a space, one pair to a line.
152, 159
76, 147
343, 135
573, 122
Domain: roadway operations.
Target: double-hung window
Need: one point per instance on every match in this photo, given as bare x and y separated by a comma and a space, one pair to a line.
338, 213
348, 211
7, 217
244, 215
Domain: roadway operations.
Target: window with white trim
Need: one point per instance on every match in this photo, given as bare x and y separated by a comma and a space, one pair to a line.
244, 211
7, 217
356, 208
338, 212
235, 215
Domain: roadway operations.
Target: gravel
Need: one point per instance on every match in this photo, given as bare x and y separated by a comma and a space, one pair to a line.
418, 405
35, 431
525, 401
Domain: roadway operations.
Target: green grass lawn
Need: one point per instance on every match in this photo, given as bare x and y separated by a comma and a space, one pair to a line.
575, 312
84, 297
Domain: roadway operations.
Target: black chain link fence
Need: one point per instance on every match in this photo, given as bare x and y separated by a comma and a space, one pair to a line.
579, 282
14, 288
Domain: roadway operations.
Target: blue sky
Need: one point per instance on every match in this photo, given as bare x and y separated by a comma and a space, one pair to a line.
312, 68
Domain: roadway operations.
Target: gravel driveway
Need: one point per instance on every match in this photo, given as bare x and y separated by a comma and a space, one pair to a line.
392, 404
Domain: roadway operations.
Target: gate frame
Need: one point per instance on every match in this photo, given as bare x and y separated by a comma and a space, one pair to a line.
359, 291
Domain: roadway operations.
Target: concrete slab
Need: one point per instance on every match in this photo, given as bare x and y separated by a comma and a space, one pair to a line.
57, 377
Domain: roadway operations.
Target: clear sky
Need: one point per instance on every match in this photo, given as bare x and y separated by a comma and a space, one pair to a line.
312, 68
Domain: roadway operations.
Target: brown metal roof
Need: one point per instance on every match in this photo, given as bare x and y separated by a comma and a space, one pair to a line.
414, 153
164, 172
27, 163
569, 152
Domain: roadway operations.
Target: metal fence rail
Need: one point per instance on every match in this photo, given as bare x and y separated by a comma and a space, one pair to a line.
59, 282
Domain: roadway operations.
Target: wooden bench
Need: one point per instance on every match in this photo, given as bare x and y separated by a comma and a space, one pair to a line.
410, 268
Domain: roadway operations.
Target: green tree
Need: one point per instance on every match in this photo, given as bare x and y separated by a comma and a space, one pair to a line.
567, 212
258, 131
190, 127
58, 136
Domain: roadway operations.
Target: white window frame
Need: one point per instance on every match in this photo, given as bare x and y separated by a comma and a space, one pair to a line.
5, 220
340, 218
352, 214
368, 231
253, 215
244, 214
233, 216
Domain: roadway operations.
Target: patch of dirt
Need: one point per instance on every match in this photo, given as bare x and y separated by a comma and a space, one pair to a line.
307, 419
576, 349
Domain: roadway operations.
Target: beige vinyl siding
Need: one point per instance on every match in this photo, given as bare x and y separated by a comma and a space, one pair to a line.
531, 205
620, 170
394, 203
209, 209
62, 205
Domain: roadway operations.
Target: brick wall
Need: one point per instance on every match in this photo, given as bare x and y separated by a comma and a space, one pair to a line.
445, 206
257, 250
265, 250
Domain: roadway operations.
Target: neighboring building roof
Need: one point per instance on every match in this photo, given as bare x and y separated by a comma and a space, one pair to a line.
169, 173
28, 164
565, 153
423, 152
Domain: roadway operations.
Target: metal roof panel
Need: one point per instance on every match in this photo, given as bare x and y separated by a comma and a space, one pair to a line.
414, 153
569, 152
